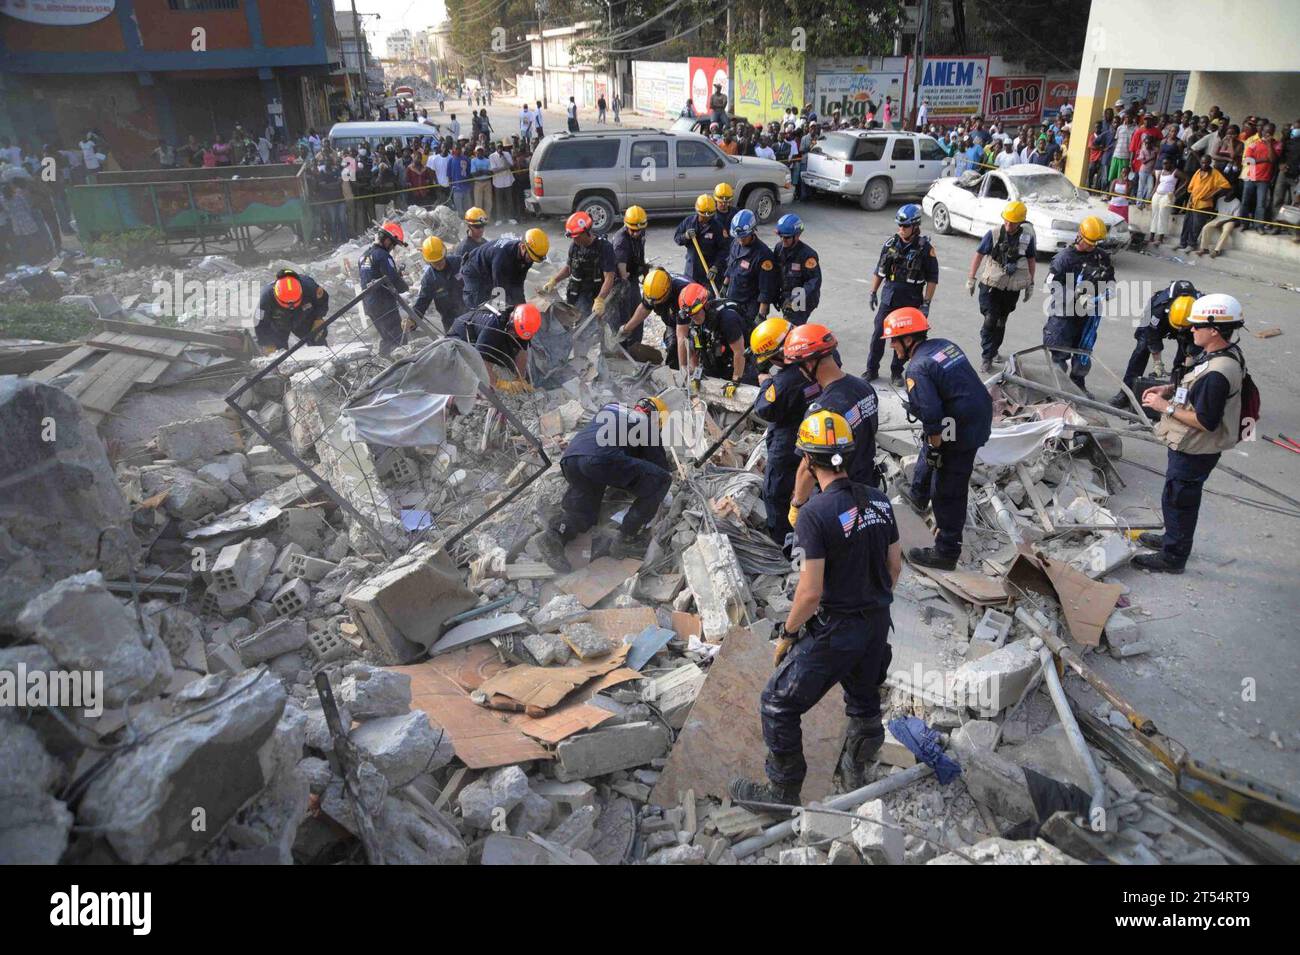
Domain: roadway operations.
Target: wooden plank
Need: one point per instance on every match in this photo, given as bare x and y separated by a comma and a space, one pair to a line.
109, 388
138, 345
25, 361
234, 342
154, 371
723, 736
66, 363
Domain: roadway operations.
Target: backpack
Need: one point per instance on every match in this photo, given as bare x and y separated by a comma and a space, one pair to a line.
1251, 403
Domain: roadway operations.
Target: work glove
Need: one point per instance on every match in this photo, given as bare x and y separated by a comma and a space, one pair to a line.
1158, 366
408, 324
598, 307
1029, 290
549, 284
269, 349
934, 455
925, 309
782, 641
695, 379
690, 235
875, 301
729, 391
970, 286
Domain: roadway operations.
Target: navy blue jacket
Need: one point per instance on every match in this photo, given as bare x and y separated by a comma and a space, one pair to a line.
377, 263
498, 264
856, 400
941, 385
751, 274
713, 244
906, 267
491, 334
618, 430
443, 289
799, 267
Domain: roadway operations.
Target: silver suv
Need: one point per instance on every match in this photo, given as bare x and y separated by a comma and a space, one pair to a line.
602, 173
873, 164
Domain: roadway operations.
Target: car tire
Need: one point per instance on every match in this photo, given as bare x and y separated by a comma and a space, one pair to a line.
762, 202
876, 195
603, 214
940, 221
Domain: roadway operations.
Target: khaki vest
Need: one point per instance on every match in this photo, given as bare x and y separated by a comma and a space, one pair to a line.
1189, 440
994, 276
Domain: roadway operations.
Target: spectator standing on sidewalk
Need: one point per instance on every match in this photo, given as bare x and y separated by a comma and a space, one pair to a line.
1260, 159
538, 129
572, 112
1168, 181
618, 105
601, 105
1205, 187
481, 170
462, 186
503, 180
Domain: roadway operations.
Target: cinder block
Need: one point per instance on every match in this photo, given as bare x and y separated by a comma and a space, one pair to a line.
231, 567
599, 752
292, 597
308, 568
328, 644
993, 626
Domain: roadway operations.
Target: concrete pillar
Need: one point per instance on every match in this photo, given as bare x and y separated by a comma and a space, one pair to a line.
1098, 88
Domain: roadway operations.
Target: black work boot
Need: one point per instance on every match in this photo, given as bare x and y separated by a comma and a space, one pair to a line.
1079, 383
929, 557
864, 739
625, 546
1158, 564
749, 792
1120, 401
986, 365
550, 544
1152, 539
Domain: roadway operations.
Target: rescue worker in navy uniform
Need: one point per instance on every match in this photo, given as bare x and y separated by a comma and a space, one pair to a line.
783, 397
502, 338
837, 628
909, 271
724, 195
380, 302
621, 448
751, 281
800, 270
1075, 279
476, 221
1200, 418
1003, 267
812, 349
717, 336
590, 267
1166, 317
292, 304
660, 292
440, 286
956, 415
702, 229
502, 263
629, 269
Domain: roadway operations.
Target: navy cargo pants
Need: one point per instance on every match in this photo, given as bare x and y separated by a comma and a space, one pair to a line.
851, 650
945, 489
1180, 502
590, 475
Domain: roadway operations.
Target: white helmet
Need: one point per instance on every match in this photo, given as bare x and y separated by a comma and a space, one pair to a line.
1216, 310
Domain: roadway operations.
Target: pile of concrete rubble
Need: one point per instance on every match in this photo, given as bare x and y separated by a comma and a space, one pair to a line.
492, 711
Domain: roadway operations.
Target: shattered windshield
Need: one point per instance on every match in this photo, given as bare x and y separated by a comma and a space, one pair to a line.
1048, 187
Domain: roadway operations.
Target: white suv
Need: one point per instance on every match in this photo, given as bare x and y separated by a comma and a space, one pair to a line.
874, 164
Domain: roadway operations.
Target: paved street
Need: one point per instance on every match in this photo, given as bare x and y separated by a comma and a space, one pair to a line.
1229, 622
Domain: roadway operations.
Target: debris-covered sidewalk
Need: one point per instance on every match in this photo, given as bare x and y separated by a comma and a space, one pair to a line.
307, 586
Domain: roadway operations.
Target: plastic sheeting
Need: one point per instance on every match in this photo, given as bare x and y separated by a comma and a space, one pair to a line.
406, 405
1011, 444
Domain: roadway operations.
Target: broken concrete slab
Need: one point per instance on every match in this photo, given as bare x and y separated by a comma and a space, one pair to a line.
993, 780
995, 681
603, 751
585, 641
198, 439
403, 747
34, 825
369, 692
877, 836
277, 637
492, 797
718, 584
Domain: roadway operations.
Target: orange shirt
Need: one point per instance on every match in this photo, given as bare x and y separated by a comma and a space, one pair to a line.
1203, 186
729, 148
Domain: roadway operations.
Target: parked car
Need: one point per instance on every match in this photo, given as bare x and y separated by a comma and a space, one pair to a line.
602, 173
873, 164
973, 202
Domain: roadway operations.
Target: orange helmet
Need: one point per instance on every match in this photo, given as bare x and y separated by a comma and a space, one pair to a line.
806, 342
288, 291
394, 230
526, 320
692, 299
905, 321
577, 224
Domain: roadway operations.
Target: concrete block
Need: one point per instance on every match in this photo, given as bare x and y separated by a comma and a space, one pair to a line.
403, 747
1121, 629
198, 439
278, 637
399, 613
579, 828
292, 598
327, 644
603, 751
843, 853
492, 796
281, 564
679, 855
534, 814
1112, 549
993, 626
717, 583
803, 855
993, 780
878, 837
994, 682
372, 692
820, 828
569, 796
308, 568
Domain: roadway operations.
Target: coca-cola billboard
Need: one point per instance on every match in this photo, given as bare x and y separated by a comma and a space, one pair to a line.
1056, 93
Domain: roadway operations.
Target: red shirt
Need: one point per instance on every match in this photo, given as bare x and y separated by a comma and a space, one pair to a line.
1265, 156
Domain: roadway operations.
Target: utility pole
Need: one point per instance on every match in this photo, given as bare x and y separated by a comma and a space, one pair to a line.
918, 58
541, 43
731, 69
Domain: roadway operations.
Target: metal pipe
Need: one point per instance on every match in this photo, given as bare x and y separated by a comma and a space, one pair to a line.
1071, 397
1097, 809
883, 787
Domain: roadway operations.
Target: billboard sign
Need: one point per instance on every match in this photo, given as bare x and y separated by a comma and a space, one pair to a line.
766, 86
855, 94
58, 13
1014, 99
1057, 94
705, 71
954, 87
1148, 89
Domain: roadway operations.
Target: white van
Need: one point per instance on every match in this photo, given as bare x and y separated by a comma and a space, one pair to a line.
346, 135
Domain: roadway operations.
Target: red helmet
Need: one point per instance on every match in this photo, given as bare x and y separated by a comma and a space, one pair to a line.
806, 342
288, 291
905, 321
692, 299
526, 320
394, 230
577, 224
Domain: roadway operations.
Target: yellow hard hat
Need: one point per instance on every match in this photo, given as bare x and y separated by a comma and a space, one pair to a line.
476, 216
653, 402
826, 436
656, 286
1092, 229
433, 250
723, 192
768, 338
1015, 211
1180, 310
537, 244
706, 205
634, 218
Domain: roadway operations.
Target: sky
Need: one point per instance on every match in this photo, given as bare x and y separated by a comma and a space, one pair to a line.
393, 15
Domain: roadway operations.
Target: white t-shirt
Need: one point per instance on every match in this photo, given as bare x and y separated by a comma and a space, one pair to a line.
1005, 159
454, 128
501, 166
90, 154
440, 163
764, 152
921, 114
572, 110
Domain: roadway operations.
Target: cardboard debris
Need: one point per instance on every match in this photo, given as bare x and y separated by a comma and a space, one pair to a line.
545, 687
1085, 603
